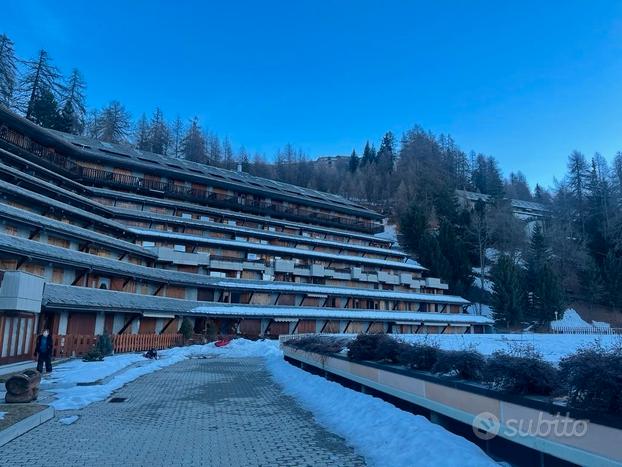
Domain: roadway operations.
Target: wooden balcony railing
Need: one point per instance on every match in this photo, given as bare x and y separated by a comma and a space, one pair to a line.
101, 177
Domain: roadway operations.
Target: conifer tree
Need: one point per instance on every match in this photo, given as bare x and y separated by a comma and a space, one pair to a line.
544, 291
73, 112
386, 154
508, 298
113, 123
177, 132
141, 137
159, 136
193, 143
8, 71
228, 158
353, 162
41, 81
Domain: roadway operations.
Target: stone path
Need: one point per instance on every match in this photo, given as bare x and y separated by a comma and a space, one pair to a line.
198, 412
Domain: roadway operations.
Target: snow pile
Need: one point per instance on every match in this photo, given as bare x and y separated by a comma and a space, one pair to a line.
571, 319
553, 347
2, 414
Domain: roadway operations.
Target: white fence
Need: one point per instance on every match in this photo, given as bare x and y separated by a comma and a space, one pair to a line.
585, 330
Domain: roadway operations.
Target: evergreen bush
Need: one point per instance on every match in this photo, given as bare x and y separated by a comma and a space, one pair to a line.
186, 329
419, 356
523, 372
104, 344
319, 344
592, 379
466, 364
374, 347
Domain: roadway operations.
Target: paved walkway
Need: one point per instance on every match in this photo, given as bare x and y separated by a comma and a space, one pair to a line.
197, 412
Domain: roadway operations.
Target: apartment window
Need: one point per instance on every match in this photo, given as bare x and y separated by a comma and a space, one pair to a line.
251, 256
181, 248
147, 244
186, 215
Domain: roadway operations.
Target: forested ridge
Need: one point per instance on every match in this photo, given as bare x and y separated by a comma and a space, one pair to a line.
574, 254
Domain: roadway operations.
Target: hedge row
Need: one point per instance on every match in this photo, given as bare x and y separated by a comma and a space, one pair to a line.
590, 379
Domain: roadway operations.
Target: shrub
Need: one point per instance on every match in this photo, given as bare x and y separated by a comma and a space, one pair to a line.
186, 329
93, 355
374, 347
419, 356
521, 373
104, 344
319, 344
466, 364
592, 378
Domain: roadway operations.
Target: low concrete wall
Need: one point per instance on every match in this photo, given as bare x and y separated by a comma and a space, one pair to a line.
598, 445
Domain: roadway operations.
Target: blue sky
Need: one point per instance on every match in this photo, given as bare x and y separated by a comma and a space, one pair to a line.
522, 81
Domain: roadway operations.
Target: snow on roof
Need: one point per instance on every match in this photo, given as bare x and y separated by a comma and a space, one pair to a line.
70, 230
57, 191
209, 210
66, 296
21, 246
219, 226
17, 191
103, 150
275, 249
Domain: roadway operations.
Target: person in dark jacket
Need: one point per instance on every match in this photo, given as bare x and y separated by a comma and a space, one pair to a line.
43, 349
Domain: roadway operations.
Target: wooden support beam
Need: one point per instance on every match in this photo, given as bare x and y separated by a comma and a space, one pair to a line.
295, 327
79, 277
369, 327
250, 297
168, 323
34, 233
23, 260
444, 329
324, 326
126, 325
122, 257
159, 289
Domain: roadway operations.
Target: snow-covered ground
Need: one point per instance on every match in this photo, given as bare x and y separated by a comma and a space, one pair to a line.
552, 346
72, 382
382, 433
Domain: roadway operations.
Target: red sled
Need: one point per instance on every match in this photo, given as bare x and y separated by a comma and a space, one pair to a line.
222, 342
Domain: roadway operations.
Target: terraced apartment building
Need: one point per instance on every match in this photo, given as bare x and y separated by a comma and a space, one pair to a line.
98, 237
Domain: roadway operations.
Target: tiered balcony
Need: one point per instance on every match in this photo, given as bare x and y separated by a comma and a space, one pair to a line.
108, 178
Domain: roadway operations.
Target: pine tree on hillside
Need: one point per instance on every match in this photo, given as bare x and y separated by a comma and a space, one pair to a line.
578, 175
159, 136
44, 110
41, 81
193, 143
353, 162
73, 112
228, 158
177, 132
114, 123
544, 292
369, 155
508, 296
213, 148
8, 71
386, 154
141, 135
